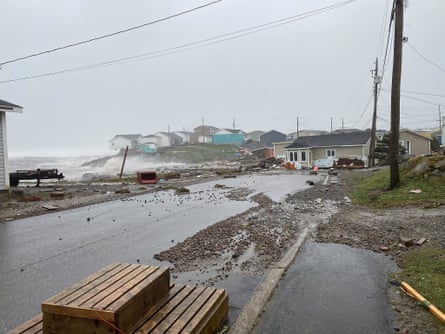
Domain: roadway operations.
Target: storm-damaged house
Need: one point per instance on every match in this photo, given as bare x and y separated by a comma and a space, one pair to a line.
323, 151
4, 108
121, 142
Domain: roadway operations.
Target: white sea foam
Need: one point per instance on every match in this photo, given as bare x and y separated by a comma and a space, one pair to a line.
76, 168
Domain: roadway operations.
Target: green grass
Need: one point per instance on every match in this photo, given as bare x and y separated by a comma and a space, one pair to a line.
199, 153
372, 189
424, 270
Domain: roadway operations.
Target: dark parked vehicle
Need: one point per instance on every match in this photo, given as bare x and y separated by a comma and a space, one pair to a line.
35, 174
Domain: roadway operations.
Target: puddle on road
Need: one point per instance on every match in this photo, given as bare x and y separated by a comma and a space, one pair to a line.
347, 286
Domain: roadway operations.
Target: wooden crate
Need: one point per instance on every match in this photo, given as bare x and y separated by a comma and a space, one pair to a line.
114, 300
132, 299
187, 309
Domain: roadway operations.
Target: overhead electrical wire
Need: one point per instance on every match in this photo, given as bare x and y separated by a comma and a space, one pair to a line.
388, 39
425, 58
420, 100
109, 35
421, 93
383, 30
364, 111
415, 98
191, 45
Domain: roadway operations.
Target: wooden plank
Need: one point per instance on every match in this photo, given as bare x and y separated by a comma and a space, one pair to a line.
66, 293
33, 326
108, 288
87, 313
138, 300
61, 324
191, 312
89, 292
178, 311
162, 312
211, 316
174, 290
122, 294
162, 275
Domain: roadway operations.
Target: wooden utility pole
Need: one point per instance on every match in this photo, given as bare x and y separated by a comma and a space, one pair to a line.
395, 97
442, 141
298, 129
371, 158
123, 163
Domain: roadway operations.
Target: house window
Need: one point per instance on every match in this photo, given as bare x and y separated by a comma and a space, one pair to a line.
330, 153
408, 146
291, 156
303, 156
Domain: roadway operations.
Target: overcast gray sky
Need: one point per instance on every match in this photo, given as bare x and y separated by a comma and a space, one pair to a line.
314, 69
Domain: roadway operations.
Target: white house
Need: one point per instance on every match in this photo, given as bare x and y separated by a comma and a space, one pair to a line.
168, 139
185, 135
120, 142
4, 108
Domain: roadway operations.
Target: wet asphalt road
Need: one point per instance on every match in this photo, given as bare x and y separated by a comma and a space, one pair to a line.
331, 288
40, 256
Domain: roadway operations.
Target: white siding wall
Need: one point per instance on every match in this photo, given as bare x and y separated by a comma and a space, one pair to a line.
4, 182
119, 143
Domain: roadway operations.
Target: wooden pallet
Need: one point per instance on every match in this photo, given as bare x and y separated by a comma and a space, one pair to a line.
187, 309
131, 299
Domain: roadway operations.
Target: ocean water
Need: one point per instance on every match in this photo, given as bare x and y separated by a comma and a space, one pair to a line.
77, 168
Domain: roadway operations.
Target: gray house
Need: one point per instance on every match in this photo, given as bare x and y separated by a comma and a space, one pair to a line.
322, 151
267, 139
4, 108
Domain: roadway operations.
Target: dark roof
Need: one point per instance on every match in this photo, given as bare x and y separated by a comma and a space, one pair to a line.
338, 139
273, 132
8, 105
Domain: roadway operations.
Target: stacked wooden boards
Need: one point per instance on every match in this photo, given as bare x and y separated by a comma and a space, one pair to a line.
130, 298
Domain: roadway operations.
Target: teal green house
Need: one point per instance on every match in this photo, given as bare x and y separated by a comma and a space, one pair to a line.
227, 136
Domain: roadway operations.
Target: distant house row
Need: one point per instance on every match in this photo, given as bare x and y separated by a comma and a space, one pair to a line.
203, 134
314, 148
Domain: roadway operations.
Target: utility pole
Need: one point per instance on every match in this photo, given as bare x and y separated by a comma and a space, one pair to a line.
298, 129
440, 126
331, 124
371, 159
395, 97
202, 130
234, 125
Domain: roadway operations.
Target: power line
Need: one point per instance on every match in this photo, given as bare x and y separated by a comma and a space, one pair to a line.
189, 46
388, 39
420, 93
420, 100
415, 98
110, 34
364, 110
426, 59
383, 30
